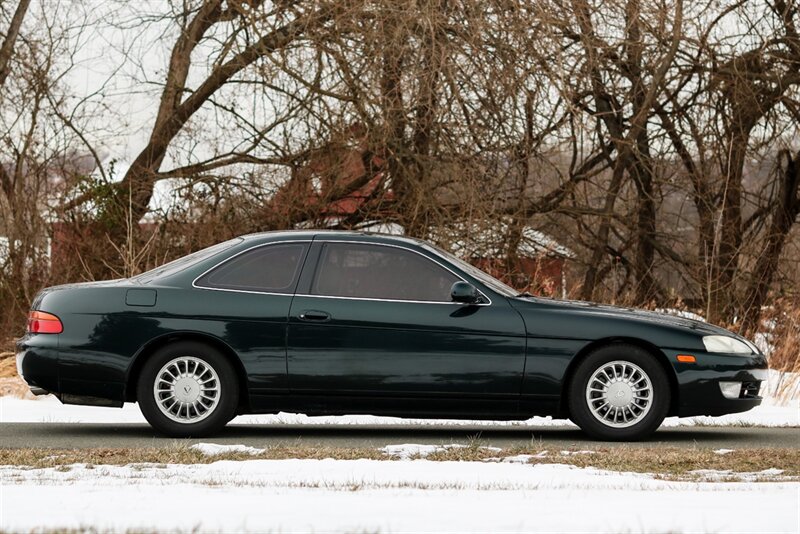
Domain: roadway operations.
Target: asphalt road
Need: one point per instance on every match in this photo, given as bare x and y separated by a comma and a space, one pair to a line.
63, 435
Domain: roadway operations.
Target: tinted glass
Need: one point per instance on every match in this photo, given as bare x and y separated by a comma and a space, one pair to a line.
470, 269
379, 272
272, 268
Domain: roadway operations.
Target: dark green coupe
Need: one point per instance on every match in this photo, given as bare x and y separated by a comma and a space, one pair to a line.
346, 322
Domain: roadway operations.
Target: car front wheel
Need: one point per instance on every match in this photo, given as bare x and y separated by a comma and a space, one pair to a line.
619, 393
188, 389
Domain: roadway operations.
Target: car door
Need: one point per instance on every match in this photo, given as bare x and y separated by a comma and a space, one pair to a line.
253, 291
377, 332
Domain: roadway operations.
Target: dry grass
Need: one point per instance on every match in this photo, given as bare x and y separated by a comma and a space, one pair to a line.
177, 454
8, 365
667, 462
784, 315
670, 463
10, 384
786, 390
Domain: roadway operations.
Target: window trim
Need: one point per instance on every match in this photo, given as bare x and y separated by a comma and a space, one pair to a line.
488, 301
253, 291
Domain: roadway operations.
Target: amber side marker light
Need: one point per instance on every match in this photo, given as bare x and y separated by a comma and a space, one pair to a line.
686, 358
44, 323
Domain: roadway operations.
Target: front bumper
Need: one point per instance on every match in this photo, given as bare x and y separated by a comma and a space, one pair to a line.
699, 390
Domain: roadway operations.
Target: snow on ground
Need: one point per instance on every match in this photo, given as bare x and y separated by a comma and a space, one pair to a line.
50, 410
378, 496
410, 450
214, 449
406, 451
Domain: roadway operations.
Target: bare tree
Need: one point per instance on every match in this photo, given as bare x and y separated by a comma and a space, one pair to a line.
36, 153
627, 129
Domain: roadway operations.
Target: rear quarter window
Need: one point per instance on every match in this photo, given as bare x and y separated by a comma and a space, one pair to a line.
268, 268
186, 261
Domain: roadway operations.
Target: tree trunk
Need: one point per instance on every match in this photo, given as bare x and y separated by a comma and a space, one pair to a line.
591, 277
7, 49
724, 262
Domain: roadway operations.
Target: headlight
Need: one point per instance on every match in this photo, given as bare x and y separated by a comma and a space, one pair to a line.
726, 344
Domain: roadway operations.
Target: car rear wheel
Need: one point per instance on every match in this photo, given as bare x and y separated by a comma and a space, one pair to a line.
188, 389
619, 393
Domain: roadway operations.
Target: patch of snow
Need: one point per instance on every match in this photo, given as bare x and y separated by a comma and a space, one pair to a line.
214, 449
406, 451
763, 340
723, 451
48, 409
716, 475
410, 450
770, 414
517, 459
379, 496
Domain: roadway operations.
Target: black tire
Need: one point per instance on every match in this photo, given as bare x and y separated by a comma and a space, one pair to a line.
592, 425
217, 417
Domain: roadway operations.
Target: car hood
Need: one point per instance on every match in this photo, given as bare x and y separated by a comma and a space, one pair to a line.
635, 313
602, 315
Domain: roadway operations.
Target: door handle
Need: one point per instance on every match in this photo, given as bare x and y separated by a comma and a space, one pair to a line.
315, 316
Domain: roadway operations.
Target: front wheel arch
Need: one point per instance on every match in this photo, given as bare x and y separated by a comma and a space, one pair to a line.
152, 346
669, 371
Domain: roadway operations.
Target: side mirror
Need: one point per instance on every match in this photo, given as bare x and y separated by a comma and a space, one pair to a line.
464, 292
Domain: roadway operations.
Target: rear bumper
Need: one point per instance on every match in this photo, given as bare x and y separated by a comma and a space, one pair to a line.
37, 361
699, 390
39, 364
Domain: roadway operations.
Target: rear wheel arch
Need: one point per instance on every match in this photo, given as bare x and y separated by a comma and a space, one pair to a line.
152, 346
660, 357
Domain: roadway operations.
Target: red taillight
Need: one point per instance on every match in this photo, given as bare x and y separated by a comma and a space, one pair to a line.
44, 323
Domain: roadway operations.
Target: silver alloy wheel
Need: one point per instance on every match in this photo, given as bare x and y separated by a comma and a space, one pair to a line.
187, 389
619, 394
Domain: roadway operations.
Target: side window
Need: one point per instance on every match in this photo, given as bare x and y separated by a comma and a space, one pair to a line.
379, 272
271, 268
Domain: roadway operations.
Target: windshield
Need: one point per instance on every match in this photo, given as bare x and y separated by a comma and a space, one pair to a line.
185, 261
490, 281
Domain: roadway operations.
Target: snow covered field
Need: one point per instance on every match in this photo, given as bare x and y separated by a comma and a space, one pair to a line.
381, 496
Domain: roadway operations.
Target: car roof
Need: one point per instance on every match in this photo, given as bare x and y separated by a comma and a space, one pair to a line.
310, 234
